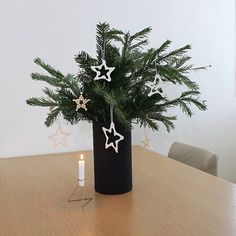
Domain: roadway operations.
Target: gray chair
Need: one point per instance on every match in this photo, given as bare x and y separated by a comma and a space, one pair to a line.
193, 156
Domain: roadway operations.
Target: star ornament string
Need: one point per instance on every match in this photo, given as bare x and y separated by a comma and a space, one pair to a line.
146, 139
81, 102
103, 71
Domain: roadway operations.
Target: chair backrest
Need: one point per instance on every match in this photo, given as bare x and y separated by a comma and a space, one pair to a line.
193, 156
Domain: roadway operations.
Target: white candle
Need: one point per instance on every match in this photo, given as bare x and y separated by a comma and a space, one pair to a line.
81, 170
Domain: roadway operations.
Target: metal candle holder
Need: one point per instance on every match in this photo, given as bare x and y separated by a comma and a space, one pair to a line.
84, 199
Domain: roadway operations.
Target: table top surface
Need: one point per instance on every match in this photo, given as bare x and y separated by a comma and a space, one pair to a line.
168, 199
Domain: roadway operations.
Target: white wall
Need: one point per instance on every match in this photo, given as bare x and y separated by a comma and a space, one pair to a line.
55, 30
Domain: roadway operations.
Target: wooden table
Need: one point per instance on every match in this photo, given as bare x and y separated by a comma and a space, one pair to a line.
168, 199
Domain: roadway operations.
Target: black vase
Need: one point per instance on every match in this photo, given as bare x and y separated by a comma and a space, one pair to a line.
112, 170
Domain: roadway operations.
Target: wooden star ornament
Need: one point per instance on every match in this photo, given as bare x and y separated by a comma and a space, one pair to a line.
103, 71
81, 102
118, 137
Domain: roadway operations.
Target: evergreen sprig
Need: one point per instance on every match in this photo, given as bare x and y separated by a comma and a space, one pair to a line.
127, 92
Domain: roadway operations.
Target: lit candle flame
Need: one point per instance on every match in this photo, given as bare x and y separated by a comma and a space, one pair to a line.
81, 156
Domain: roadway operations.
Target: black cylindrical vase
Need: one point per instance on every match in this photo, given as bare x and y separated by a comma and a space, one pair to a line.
112, 170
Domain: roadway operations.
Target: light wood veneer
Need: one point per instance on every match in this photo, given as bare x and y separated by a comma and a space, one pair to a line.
168, 199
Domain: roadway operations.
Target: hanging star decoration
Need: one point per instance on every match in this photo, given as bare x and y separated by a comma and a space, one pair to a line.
111, 133
103, 71
81, 102
154, 86
59, 137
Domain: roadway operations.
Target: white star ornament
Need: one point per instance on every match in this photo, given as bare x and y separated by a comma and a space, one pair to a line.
103, 71
153, 86
111, 144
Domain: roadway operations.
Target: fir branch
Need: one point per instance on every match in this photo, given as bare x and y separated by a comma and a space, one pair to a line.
178, 52
184, 108
52, 117
201, 105
190, 93
185, 100
181, 61
101, 39
126, 45
85, 61
201, 68
127, 91
71, 82
143, 34
163, 47
101, 91
151, 124
42, 102
139, 44
166, 120
175, 76
54, 72
120, 116
48, 79
51, 94
114, 34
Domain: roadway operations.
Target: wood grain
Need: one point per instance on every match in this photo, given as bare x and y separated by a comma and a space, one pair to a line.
168, 199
